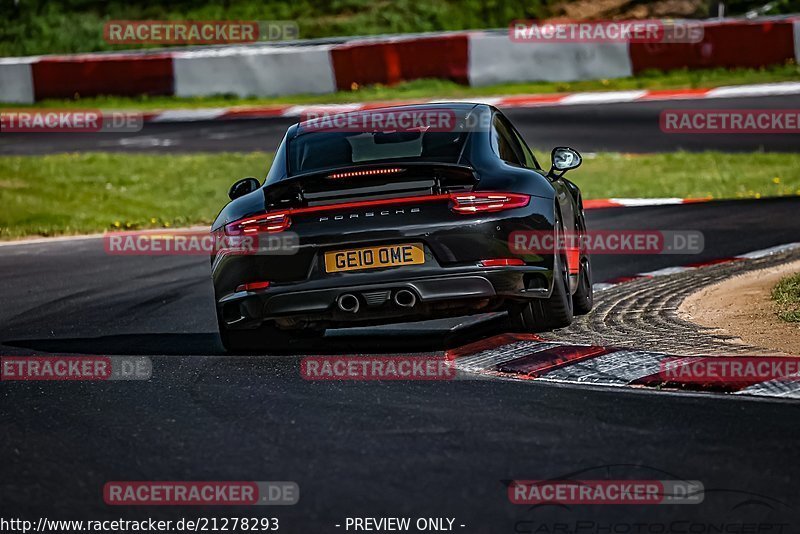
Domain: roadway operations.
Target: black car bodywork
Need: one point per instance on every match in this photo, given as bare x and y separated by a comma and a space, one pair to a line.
451, 199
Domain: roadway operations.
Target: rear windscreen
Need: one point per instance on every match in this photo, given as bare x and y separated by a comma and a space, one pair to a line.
332, 149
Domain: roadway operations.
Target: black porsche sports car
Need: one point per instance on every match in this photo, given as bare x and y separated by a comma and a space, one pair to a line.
362, 222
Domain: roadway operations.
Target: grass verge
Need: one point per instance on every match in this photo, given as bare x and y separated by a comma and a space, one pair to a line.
93, 192
787, 295
433, 88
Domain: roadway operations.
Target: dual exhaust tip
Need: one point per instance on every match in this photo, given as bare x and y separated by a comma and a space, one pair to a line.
350, 303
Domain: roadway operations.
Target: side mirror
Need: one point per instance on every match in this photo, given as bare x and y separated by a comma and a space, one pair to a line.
243, 187
563, 159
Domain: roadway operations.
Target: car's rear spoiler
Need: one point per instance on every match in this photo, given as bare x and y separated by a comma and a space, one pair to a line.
369, 182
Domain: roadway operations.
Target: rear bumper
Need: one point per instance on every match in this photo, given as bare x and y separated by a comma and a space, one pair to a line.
454, 291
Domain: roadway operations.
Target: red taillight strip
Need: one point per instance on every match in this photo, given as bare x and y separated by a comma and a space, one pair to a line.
464, 203
502, 262
252, 286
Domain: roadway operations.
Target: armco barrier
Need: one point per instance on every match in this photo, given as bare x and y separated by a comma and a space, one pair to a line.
392, 61
726, 44
476, 58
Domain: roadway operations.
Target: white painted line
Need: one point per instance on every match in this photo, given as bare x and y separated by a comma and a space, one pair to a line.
636, 202
667, 271
40, 240
601, 286
602, 97
188, 115
489, 100
766, 89
769, 251
296, 111
507, 102
63, 238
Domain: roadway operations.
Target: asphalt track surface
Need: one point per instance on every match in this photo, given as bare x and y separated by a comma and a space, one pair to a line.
412, 449
624, 127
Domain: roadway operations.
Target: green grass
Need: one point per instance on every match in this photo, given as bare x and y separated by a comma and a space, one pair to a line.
93, 192
84, 193
422, 89
43, 26
787, 296
689, 175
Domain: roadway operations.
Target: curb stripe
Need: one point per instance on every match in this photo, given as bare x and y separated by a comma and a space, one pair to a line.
537, 364
505, 102
600, 203
617, 367
529, 357
756, 254
602, 366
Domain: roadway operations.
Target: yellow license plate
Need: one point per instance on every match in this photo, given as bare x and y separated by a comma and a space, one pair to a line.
374, 257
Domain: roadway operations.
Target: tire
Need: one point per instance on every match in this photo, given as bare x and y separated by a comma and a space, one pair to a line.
546, 314
267, 339
583, 299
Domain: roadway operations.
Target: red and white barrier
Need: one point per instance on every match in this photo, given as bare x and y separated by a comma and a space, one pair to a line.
16, 80
494, 58
476, 58
245, 71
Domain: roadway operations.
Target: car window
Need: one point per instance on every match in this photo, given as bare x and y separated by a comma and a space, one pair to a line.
504, 144
527, 153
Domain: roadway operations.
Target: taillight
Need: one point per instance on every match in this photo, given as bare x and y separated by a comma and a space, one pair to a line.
277, 221
252, 286
486, 202
501, 262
